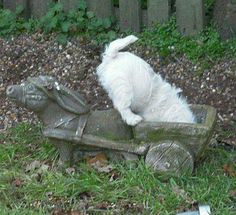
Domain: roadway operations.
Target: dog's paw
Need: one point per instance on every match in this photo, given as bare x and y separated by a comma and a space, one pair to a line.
134, 120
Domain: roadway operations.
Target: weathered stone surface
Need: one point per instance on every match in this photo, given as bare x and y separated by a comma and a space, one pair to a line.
39, 8
158, 11
101, 8
170, 157
190, 16
108, 124
13, 4
130, 15
193, 136
225, 17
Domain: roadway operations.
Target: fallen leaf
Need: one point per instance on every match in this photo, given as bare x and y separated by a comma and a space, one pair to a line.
70, 170
33, 166
100, 163
18, 182
36, 176
43, 168
105, 169
134, 207
85, 196
114, 176
229, 170
48, 194
99, 158
102, 206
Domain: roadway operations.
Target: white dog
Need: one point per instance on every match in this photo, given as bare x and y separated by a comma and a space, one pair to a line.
136, 91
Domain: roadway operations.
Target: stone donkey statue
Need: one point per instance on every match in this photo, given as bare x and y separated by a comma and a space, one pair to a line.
75, 130
64, 114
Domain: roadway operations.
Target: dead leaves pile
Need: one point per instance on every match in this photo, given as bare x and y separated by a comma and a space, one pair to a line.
100, 163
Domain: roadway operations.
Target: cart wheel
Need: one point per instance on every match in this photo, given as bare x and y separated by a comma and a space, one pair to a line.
170, 157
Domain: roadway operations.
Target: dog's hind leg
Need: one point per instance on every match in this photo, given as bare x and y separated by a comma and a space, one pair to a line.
121, 95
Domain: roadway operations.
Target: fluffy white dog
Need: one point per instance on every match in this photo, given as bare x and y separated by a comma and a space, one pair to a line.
136, 91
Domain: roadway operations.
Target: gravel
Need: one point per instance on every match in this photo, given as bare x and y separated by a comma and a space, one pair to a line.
74, 65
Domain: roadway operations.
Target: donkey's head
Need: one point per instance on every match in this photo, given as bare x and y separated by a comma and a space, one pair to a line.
36, 93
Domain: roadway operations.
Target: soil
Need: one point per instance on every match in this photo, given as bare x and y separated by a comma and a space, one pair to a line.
74, 65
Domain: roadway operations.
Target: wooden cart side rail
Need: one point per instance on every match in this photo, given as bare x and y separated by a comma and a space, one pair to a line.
95, 141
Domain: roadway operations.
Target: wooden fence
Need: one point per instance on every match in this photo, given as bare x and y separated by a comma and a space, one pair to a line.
189, 13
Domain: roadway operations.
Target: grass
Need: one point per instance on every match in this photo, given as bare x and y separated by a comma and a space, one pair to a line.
122, 191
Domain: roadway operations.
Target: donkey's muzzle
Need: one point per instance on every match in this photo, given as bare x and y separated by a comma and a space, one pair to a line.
14, 92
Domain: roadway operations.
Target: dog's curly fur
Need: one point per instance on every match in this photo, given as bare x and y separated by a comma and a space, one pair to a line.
136, 91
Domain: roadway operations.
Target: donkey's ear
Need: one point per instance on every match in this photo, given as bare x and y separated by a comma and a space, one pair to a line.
70, 100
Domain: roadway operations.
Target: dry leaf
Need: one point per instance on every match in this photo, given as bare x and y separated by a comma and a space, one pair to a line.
99, 158
18, 182
33, 166
43, 168
113, 177
105, 169
70, 170
100, 163
229, 170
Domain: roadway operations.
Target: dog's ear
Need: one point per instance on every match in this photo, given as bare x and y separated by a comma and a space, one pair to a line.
70, 100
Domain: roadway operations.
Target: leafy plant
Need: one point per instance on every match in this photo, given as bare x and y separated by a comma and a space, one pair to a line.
75, 22
79, 21
166, 40
11, 23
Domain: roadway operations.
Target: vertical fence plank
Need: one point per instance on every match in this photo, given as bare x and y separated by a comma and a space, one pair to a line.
224, 15
158, 11
101, 8
69, 4
12, 5
190, 16
130, 15
39, 8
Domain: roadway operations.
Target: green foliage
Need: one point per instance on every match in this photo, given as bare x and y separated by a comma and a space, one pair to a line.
209, 3
79, 21
166, 40
11, 23
76, 22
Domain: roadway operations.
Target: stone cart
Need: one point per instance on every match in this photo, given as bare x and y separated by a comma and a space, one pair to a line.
77, 131
169, 148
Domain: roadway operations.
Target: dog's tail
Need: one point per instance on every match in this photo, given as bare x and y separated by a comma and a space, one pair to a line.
114, 47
